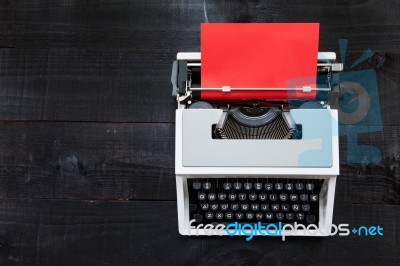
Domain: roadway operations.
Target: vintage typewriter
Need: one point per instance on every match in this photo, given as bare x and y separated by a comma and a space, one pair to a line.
255, 160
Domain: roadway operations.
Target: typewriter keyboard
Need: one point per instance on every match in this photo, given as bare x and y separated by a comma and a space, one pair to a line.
253, 200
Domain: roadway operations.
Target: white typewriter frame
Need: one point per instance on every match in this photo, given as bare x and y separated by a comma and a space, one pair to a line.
329, 174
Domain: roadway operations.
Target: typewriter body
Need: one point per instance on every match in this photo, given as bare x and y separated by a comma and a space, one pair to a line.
256, 160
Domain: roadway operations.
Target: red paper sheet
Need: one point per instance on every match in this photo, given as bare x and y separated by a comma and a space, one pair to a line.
259, 55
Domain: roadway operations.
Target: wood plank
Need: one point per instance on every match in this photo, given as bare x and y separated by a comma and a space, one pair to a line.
70, 191
398, 238
87, 160
144, 25
62, 23
85, 85
7, 24
378, 76
61, 232
371, 182
136, 161
131, 86
388, 80
117, 56
363, 23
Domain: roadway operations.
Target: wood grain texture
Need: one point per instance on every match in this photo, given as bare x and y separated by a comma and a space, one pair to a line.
150, 24
7, 23
129, 86
375, 183
80, 160
85, 85
87, 133
117, 55
87, 160
60, 232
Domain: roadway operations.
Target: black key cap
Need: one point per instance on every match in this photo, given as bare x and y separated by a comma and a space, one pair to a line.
262, 197
239, 216
300, 216
234, 206
214, 206
278, 186
299, 186
305, 207
196, 185
264, 207
293, 197
314, 197
273, 197
198, 217
244, 207
207, 185
303, 197
283, 197
259, 216
211, 196
269, 216
285, 207
275, 207
237, 186
309, 186
193, 207
209, 215
219, 215
221, 196
224, 206
227, 186
258, 186
268, 186
253, 196
204, 206
289, 216
249, 216
295, 207
310, 219
232, 197
229, 216
201, 196
280, 216
247, 186
254, 207
242, 196
289, 186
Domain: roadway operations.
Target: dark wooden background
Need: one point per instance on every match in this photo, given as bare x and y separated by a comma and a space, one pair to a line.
87, 133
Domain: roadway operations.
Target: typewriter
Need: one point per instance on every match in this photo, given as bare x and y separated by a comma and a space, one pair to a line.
252, 161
